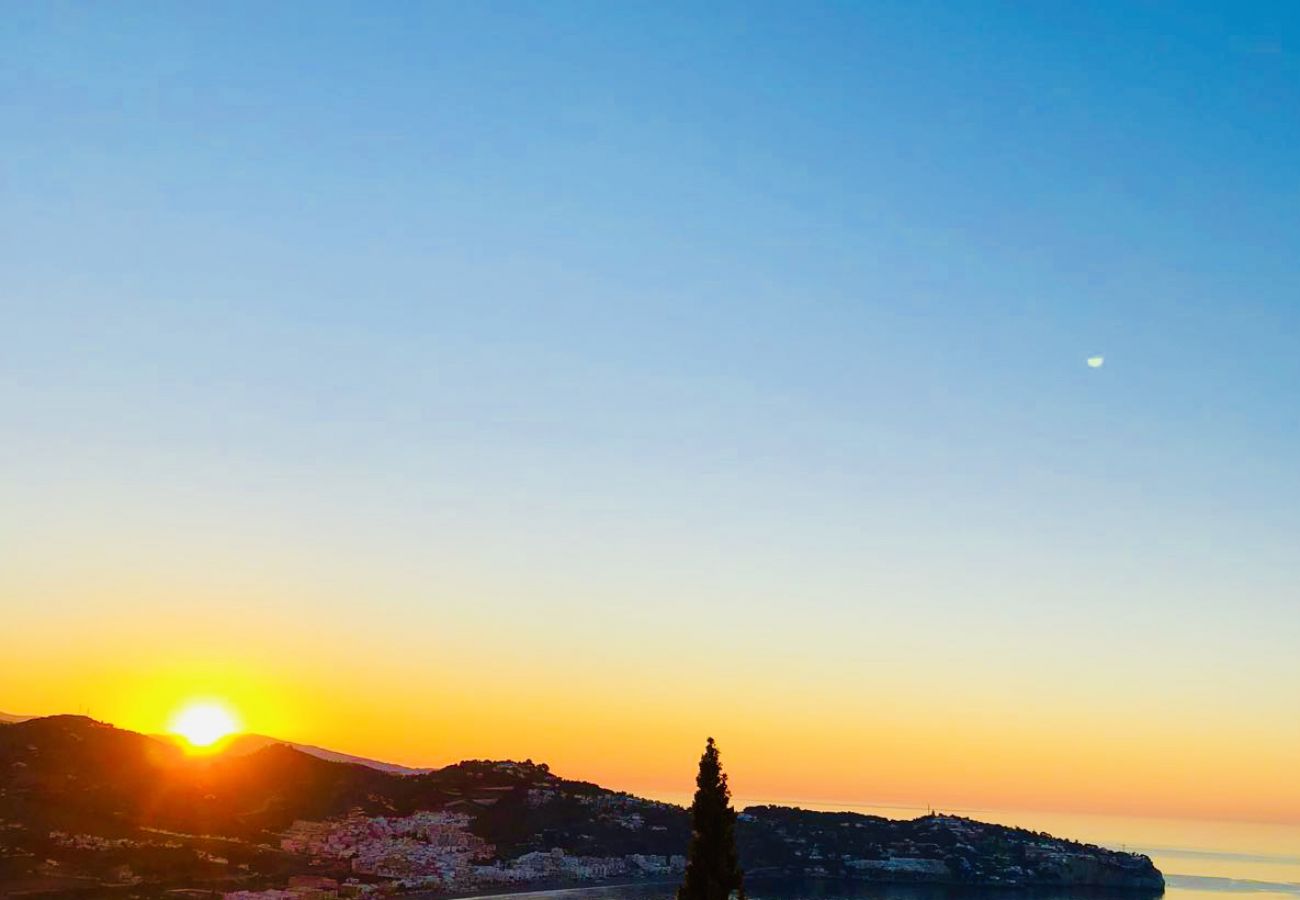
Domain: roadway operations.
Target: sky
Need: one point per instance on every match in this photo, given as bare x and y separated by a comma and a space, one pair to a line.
574, 381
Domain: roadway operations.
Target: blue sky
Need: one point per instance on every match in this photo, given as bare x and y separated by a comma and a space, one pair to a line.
775, 310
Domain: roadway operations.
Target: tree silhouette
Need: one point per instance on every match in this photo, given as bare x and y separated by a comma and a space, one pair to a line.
712, 865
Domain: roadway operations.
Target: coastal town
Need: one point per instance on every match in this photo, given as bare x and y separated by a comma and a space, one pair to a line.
436, 851
432, 850
86, 808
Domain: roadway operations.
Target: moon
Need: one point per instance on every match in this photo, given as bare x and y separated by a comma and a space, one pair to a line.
1096, 362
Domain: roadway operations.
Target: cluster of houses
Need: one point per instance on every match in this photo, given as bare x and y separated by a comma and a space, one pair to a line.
557, 865
309, 887
90, 841
437, 850
95, 842
428, 845
619, 809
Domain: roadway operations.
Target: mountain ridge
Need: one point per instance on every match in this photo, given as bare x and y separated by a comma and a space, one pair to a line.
244, 744
82, 802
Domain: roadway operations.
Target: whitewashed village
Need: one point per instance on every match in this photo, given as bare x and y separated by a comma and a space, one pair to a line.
435, 850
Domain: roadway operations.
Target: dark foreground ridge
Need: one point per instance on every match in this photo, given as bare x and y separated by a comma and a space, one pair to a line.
90, 810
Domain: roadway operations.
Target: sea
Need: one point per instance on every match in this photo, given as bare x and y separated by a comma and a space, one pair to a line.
1201, 860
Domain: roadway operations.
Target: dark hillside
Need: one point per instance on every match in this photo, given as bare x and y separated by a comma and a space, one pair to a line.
85, 804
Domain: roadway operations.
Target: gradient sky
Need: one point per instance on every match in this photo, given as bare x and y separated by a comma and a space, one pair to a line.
572, 381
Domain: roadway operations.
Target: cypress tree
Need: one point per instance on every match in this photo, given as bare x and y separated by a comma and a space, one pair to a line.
712, 864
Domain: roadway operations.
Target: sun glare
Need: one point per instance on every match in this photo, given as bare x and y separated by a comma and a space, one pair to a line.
203, 724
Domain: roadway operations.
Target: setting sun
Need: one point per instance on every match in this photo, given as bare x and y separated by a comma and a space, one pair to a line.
202, 724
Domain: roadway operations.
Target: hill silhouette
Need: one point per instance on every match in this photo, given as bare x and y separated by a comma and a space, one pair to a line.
85, 803
251, 743
243, 744
72, 772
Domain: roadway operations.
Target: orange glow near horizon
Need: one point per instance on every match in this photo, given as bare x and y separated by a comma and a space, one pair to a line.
832, 729
881, 759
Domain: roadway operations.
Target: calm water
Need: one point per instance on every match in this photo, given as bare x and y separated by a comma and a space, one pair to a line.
1200, 860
